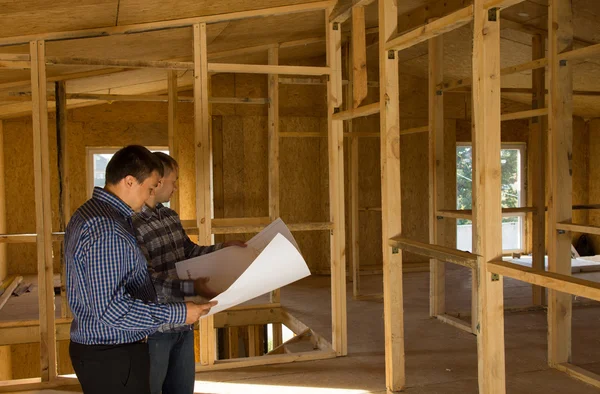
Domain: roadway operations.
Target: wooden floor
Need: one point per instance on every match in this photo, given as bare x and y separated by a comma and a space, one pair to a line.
440, 358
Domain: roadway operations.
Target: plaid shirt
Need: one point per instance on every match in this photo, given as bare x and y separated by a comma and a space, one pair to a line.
108, 286
164, 242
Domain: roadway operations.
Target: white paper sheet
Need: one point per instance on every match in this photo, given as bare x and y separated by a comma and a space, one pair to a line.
225, 266
279, 264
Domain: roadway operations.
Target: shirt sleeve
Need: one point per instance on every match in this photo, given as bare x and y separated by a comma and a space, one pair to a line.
108, 263
167, 286
193, 250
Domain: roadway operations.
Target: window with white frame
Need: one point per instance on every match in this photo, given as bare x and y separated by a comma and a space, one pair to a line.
512, 157
98, 158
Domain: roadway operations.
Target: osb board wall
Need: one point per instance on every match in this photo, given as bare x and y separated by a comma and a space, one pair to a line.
594, 178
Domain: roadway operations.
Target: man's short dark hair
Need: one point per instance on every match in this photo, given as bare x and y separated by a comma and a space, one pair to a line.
169, 164
134, 160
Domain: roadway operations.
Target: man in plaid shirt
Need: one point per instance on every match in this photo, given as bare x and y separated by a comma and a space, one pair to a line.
163, 241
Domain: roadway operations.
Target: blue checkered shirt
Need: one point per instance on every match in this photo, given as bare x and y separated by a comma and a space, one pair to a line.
108, 287
164, 242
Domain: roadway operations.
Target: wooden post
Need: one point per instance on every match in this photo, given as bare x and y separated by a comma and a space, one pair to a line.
203, 168
172, 128
273, 119
354, 247
560, 142
393, 298
437, 270
336, 189
5, 354
487, 208
537, 164
43, 210
63, 171
359, 58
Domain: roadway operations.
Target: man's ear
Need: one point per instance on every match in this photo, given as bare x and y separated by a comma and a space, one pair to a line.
129, 181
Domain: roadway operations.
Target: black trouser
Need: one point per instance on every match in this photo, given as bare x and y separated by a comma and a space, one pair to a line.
112, 369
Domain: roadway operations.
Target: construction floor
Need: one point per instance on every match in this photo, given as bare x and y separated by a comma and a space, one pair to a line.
439, 358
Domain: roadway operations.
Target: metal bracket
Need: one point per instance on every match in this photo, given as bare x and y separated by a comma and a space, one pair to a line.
563, 63
439, 217
493, 14
438, 92
336, 110
336, 26
561, 231
395, 250
495, 277
391, 55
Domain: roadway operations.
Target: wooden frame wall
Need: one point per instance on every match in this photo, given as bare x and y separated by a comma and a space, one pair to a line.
204, 226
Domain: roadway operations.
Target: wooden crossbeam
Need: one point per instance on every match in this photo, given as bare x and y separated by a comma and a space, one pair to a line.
120, 63
267, 69
343, 9
438, 252
414, 130
365, 110
524, 114
551, 280
440, 26
500, 4
582, 53
579, 228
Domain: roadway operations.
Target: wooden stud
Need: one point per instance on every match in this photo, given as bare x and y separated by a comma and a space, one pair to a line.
437, 270
389, 99
203, 169
9, 290
560, 144
437, 252
537, 174
64, 195
3, 255
365, 110
172, 122
487, 208
359, 57
43, 209
336, 190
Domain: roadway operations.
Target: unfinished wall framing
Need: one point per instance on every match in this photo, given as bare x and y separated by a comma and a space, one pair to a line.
46, 331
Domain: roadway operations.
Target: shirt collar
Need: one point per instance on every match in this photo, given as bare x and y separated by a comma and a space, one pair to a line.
148, 212
114, 201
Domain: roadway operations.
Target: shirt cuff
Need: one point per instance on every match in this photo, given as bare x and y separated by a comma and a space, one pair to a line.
187, 288
178, 312
218, 246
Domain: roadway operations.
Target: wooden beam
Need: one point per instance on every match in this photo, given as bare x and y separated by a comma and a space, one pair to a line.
344, 9
468, 213
28, 331
43, 210
14, 65
203, 169
267, 69
437, 252
163, 25
422, 15
391, 223
414, 130
524, 114
560, 145
359, 57
11, 386
455, 322
487, 207
578, 228
433, 29
582, 53
9, 290
64, 183
532, 65
268, 360
337, 213
537, 165
437, 268
302, 134
172, 123
365, 110
565, 284
120, 63
500, 4
579, 373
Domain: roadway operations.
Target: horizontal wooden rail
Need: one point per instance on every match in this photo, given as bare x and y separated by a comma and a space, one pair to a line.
468, 214
353, 113
441, 253
551, 280
266, 69
524, 114
414, 130
433, 29
582, 53
580, 374
578, 228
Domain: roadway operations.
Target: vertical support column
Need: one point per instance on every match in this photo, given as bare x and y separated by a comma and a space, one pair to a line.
203, 171
359, 58
354, 247
43, 210
273, 118
172, 128
487, 208
537, 163
437, 270
560, 141
63, 171
336, 189
5, 354
391, 207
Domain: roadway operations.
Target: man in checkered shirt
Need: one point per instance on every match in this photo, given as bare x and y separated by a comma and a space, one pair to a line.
164, 242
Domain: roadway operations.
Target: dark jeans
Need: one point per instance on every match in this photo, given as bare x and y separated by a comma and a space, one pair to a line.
114, 369
172, 364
